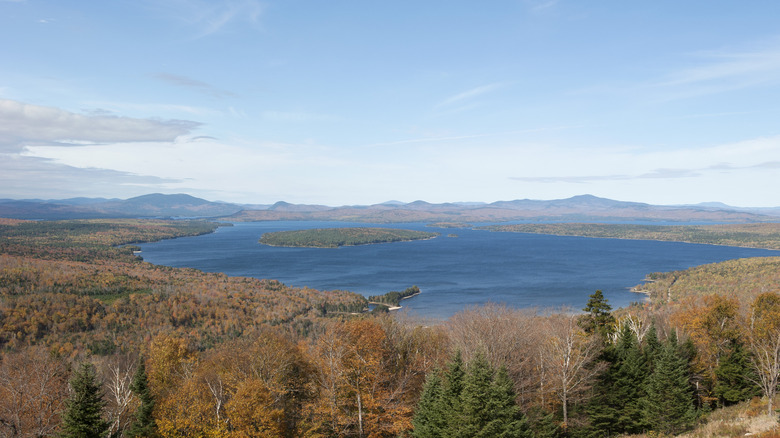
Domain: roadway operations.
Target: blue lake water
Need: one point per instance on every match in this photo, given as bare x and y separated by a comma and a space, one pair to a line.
520, 270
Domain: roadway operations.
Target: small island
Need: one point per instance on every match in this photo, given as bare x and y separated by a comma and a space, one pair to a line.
450, 225
338, 237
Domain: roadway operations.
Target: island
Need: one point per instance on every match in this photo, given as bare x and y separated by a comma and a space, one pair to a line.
450, 225
338, 237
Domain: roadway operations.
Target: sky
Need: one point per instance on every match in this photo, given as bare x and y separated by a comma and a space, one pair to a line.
362, 102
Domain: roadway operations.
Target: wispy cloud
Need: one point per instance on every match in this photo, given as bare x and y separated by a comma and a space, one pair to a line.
718, 71
210, 17
29, 177
22, 123
661, 173
468, 95
539, 5
293, 116
186, 82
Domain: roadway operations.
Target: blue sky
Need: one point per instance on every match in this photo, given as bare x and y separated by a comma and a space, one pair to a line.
354, 102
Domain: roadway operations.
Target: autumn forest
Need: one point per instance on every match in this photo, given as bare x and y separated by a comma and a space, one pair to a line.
96, 342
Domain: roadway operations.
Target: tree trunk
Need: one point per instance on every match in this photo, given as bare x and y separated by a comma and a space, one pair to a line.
360, 415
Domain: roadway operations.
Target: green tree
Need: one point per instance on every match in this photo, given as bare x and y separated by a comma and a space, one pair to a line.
83, 415
616, 406
509, 420
473, 402
599, 317
735, 376
668, 407
430, 418
144, 424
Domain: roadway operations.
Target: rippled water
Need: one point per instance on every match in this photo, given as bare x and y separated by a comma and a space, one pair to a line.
520, 270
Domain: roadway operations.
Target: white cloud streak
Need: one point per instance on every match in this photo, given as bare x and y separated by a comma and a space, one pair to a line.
22, 124
722, 71
194, 84
468, 95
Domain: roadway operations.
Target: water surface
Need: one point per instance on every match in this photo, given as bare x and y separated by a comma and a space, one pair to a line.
520, 270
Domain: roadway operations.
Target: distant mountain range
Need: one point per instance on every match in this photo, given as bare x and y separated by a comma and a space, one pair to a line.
154, 205
583, 208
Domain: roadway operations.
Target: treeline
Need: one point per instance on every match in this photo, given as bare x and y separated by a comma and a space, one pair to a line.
488, 371
763, 235
48, 296
743, 279
394, 298
336, 237
90, 240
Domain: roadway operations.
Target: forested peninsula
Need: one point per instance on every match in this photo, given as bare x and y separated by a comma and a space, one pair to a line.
337, 237
758, 235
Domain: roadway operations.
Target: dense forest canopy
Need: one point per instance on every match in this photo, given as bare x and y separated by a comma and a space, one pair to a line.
158, 351
759, 235
336, 237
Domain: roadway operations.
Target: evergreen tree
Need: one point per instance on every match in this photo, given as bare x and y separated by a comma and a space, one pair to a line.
616, 406
83, 415
469, 402
454, 380
652, 347
144, 424
735, 377
599, 318
668, 407
430, 418
510, 420
477, 397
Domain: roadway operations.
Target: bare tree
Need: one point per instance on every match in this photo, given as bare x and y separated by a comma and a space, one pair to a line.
118, 375
764, 336
33, 388
568, 354
507, 337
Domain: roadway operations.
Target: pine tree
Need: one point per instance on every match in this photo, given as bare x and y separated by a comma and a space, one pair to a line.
668, 407
83, 415
144, 424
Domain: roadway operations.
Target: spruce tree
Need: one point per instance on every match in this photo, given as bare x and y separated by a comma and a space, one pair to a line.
510, 420
454, 380
599, 318
616, 406
476, 399
472, 401
83, 415
735, 377
652, 347
144, 424
669, 405
430, 418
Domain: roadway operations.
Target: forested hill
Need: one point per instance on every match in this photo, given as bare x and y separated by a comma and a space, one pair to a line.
765, 235
584, 208
73, 286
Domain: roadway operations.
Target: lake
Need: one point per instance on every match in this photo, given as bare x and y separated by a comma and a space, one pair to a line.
476, 267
